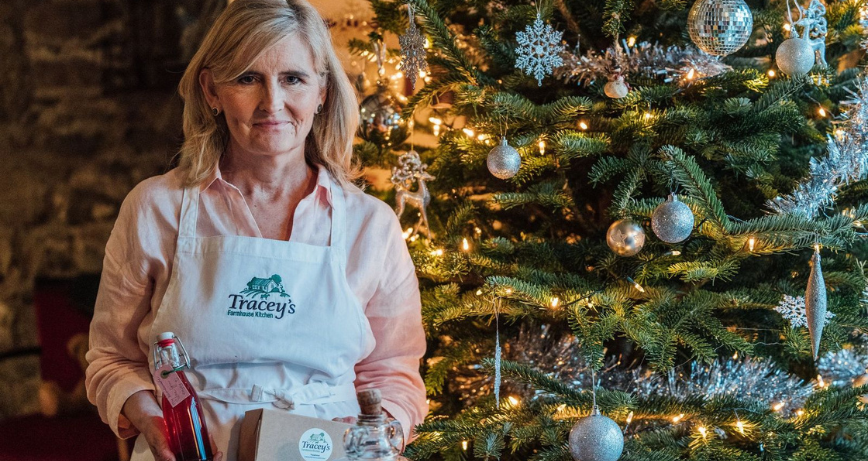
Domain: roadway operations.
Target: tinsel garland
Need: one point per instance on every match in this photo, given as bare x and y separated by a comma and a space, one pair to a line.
841, 368
644, 60
847, 161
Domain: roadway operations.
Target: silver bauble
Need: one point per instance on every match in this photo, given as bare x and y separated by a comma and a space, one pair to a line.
504, 161
815, 303
616, 88
380, 119
795, 57
625, 237
596, 438
672, 220
719, 27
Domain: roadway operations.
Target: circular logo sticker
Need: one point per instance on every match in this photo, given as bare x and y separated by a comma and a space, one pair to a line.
315, 444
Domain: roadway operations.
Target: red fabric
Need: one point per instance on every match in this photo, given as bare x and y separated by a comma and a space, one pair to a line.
57, 321
64, 438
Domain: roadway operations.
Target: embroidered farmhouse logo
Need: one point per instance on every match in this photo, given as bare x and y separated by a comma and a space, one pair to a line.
315, 444
256, 300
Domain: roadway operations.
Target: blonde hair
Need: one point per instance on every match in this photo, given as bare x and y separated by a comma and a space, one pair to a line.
242, 33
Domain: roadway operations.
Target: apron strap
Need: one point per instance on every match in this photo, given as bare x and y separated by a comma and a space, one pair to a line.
339, 220
287, 399
189, 212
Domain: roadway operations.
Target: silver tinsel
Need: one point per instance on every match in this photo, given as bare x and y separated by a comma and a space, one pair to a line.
815, 303
845, 366
596, 438
719, 27
672, 220
539, 48
847, 161
504, 161
643, 59
413, 50
743, 379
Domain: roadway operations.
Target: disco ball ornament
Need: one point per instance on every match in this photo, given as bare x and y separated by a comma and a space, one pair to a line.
795, 57
672, 220
596, 438
719, 27
380, 119
625, 237
616, 88
504, 161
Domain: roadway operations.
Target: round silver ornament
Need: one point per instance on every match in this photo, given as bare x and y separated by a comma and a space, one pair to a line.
719, 27
596, 438
795, 57
625, 237
672, 220
616, 88
380, 119
504, 161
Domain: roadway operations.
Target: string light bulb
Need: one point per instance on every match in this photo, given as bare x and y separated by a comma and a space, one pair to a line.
751, 242
676, 419
788, 27
771, 73
636, 285
555, 302
470, 133
778, 406
691, 73
800, 412
703, 431
464, 445
740, 426
583, 125
821, 111
631, 41
820, 381
465, 245
629, 417
437, 252
542, 146
513, 400
647, 115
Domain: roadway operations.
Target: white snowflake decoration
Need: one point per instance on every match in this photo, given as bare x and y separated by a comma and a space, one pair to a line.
539, 49
793, 309
413, 48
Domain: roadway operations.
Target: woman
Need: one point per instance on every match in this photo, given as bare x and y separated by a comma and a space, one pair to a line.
261, 204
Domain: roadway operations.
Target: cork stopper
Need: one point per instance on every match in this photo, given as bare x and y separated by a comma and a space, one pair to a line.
369, 401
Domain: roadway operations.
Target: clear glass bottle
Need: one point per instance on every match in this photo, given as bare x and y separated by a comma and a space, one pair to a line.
373, 437
185, 421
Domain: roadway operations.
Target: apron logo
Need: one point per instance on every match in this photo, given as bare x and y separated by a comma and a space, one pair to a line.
254, 301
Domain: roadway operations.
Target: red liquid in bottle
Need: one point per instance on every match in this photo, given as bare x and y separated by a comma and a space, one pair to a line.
185, 422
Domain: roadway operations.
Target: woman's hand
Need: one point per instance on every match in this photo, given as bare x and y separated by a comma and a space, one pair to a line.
145, 414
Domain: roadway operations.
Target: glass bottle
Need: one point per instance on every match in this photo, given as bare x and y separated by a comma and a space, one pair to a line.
373, 437
185, 421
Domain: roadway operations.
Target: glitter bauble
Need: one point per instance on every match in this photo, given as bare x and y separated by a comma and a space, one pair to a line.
380, 119
795, 57
504, 161
672, 220
596, 438
625, 237
816, 303
616, 88
719, 27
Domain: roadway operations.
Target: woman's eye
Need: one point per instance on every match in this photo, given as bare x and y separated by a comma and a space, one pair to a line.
292, 79
246, 79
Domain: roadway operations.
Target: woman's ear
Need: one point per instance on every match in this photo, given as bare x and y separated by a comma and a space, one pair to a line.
206, 82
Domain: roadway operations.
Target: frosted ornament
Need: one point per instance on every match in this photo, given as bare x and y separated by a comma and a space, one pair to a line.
672, 220
596, 438
504, 160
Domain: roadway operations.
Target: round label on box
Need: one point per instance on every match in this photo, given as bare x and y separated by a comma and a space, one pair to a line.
315, 444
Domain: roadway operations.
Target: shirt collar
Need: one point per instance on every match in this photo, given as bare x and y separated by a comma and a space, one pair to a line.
322, 189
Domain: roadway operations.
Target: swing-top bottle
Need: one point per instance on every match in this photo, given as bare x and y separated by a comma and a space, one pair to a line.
373, 437
182, 409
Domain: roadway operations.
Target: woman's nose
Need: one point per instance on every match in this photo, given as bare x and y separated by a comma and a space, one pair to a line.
272, 97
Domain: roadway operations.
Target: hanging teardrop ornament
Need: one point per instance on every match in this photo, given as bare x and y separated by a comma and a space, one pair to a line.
815, 302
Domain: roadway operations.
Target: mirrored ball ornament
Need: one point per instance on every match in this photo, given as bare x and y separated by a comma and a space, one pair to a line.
596, 438
625, 237
719, 27
672, 220
504, 161
380, 119
795, 57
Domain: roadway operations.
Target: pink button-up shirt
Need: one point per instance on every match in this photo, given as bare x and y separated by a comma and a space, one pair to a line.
138, 266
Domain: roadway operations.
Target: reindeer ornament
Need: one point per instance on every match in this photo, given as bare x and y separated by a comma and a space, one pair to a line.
409, 170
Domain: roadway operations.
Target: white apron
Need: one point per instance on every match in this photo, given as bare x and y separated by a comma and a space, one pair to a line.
267, 323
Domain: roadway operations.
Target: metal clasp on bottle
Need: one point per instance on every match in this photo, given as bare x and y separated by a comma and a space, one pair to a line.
182, 354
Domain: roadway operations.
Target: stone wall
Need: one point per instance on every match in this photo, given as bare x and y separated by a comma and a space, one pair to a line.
88, 108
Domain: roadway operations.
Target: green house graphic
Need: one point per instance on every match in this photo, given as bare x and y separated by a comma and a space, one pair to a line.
265, 287
317, 437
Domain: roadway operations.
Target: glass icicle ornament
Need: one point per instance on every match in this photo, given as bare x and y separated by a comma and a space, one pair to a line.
373, 437
672, 220
504, 160
182, 409
815, 303
720, 27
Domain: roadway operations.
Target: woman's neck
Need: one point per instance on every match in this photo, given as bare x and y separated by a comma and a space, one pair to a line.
269, 178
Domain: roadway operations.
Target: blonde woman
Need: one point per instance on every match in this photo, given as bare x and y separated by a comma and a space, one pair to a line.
262, 206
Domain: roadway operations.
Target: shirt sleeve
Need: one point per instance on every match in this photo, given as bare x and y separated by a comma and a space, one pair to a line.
395, 316
117, 365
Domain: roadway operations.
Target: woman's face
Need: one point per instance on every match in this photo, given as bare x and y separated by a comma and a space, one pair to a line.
270, 108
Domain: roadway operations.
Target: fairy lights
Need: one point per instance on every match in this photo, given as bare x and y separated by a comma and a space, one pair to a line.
465, 245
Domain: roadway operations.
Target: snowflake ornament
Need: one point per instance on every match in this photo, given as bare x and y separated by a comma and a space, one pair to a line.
539, 49
793, 309
413, 49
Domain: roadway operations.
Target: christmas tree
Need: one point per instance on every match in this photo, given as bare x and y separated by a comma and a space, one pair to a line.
645, 227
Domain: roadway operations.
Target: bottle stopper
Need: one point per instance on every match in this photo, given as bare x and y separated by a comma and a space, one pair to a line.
369, 401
